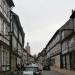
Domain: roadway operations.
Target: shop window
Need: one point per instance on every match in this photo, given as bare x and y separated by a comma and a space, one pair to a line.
72, 61
63, 61
67, 62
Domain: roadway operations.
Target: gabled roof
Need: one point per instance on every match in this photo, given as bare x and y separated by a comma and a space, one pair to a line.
68, 25
10, 3
52, 38
16, 17
17, 20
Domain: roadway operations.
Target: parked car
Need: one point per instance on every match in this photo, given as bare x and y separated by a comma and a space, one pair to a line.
31, 70
46, 67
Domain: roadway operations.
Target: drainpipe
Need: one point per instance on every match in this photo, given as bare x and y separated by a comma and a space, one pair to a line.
10, 34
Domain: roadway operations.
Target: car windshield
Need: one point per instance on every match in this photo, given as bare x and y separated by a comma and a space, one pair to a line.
31, 68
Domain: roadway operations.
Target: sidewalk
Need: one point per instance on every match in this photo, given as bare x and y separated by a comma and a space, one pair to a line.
63, 71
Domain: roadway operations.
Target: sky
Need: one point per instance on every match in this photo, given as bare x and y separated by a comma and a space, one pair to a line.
40, 19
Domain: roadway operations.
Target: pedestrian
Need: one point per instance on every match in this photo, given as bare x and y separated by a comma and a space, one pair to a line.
18, 67
22, 66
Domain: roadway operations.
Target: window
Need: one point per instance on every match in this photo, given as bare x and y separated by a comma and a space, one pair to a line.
20, 38
71, 42
64, 45
0, 2
4, 6
4, 59
63, 61
5, 65
8, 11
62, 35
67, 62
4, 9
2, 27
48, 55
55, 40
15, 30
0, 56
19, 49
18, 60
0, 23
14, 43
6, 28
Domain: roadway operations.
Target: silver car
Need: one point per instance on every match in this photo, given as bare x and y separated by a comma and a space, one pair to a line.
31, 70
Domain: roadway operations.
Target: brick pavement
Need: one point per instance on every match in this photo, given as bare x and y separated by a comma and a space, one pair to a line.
63, 71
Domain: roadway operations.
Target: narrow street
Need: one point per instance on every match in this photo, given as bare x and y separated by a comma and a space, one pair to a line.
44, 43
43, 73
51, 73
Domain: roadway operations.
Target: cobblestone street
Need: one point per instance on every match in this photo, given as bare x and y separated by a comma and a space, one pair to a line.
50, 73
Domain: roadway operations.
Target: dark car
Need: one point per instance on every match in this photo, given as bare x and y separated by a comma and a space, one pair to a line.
31, 70
46, 67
